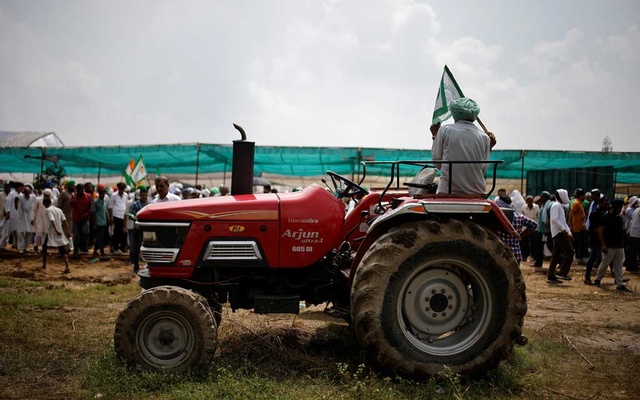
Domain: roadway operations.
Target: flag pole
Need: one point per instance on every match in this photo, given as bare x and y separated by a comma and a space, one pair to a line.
492, 138
484, 128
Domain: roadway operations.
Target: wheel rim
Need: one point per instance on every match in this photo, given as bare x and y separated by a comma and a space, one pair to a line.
444, 307
165, 339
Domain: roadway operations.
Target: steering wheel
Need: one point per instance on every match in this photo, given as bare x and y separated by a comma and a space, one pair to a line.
345, 187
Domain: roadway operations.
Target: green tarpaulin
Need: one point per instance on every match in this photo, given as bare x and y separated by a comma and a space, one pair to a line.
289, 161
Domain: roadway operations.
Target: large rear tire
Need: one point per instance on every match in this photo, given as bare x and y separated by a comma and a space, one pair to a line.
166, 329
429, 294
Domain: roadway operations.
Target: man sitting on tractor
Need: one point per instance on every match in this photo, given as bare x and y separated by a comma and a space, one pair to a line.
462, 141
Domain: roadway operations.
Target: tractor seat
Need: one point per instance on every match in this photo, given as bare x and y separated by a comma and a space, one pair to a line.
423, 183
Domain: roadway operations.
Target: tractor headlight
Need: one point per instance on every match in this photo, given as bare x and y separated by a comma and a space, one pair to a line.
149, 237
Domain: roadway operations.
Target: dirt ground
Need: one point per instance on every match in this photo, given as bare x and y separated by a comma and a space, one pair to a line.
593, 314
590, 313
586, 316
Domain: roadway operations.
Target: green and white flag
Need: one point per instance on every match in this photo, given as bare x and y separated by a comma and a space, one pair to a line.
448, 91
139, 173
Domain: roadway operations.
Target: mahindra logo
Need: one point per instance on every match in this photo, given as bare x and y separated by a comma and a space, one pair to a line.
236, 228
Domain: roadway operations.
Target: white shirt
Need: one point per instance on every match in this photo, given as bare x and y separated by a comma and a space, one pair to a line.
118, 204
558, 219
10, 207
56, 216
634, 229
462, 141
592, 207
628, 217
532, 213
169, 197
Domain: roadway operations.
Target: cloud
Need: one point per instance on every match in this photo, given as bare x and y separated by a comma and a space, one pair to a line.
411, 15
546, 55
335, 73
622, 45
575, 98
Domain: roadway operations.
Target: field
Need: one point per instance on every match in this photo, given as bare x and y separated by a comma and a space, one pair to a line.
56, 343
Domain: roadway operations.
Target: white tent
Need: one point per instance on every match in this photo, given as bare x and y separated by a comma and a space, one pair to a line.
29, 139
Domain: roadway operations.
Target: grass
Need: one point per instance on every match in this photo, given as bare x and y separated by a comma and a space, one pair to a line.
57, 343
106, 377
50, 332
44, 296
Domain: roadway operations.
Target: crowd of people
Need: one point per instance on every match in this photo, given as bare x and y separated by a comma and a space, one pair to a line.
78, 217
588, 229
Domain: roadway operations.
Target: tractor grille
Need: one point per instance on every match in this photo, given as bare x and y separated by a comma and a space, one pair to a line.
233, 250
158, 256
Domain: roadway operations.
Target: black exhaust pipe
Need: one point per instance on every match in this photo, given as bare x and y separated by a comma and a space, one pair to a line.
242, 164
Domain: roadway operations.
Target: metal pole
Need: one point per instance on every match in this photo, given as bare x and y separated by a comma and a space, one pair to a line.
99, 171
522, 152
359, 161
224, 176
42, 162
197, 161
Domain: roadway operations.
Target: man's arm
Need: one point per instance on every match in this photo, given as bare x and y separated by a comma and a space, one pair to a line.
128, 210
434, 130
65, 229
55, 228
492, 140
572, 211
52, 221
530, 227
110, 210
436, 147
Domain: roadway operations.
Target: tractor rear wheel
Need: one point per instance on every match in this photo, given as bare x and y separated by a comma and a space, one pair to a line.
166, 329
429, 294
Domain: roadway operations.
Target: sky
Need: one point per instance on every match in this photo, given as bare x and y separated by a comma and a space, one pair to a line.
547, 74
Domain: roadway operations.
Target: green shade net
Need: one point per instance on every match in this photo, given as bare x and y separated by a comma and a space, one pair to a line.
290, 161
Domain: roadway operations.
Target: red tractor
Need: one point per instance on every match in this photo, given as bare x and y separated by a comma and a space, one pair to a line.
423, 279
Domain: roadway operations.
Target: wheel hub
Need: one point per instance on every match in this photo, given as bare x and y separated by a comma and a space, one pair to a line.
439, 302
165, 339
435, 301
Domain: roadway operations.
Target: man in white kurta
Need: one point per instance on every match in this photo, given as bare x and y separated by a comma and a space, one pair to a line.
57, 234
40, 219
4, 227
461, 141
24, 228
11, 211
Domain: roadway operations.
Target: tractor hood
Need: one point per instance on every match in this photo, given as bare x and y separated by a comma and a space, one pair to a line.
246, 207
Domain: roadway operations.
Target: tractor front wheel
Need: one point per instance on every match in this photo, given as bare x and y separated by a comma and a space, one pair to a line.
166, 329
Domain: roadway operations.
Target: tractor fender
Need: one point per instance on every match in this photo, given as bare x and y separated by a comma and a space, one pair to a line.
492, 218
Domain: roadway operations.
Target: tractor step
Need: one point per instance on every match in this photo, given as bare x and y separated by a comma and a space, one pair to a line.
338, 312
277, 305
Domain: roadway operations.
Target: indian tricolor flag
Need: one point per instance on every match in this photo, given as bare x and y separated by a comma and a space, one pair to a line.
128, 171
449, 90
